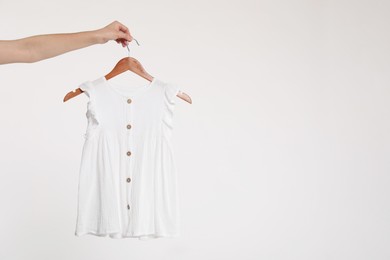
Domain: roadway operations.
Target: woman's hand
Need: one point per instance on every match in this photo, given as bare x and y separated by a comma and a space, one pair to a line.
114, 31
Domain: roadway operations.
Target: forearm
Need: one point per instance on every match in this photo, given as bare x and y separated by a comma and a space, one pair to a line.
42, 47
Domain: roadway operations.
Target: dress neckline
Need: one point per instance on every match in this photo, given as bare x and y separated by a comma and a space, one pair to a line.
113, 87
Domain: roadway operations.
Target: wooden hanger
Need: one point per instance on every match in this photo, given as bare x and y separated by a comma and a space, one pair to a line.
125, 64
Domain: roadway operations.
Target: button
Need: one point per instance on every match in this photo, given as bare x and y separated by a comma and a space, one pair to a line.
128, 126
128, 153
128, 206
128, 179
129, 101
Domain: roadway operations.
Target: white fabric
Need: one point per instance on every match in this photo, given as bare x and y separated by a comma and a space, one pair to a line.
104, 192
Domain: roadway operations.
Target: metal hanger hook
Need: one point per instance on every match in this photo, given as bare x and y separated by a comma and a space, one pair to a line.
128, 49
136, 41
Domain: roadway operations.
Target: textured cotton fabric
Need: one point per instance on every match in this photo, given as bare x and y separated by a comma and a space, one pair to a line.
128, 180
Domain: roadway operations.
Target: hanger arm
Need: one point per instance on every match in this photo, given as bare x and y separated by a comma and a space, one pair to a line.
184, 96
78, 91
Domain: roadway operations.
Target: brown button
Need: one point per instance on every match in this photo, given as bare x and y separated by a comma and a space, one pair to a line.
129, 101
128, 153
128, 206
128, 126
128, 179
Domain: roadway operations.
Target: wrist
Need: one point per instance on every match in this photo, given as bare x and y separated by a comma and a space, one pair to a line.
96, 37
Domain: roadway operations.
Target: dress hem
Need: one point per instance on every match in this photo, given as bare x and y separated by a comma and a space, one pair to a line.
117, 235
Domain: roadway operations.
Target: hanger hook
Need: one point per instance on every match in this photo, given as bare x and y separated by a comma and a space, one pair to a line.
136, 41
128, 49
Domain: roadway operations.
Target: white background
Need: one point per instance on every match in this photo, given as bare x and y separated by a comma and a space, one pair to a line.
284, 153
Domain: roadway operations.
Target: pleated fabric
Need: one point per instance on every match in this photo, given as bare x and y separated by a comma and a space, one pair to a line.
128, 185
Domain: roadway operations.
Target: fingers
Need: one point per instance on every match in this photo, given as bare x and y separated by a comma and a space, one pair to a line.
122, 42
124, 32
118, 32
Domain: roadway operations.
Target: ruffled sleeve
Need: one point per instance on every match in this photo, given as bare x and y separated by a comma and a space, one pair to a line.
87, 88
171, 90
91, 113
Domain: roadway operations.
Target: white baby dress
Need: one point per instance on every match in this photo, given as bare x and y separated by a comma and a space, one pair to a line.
127, 179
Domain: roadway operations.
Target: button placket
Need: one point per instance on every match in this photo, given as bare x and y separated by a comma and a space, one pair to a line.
127, 128
128, 153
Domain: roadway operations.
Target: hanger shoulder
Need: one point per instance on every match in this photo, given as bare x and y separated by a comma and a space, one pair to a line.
184, 96
72, 94
78, 91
